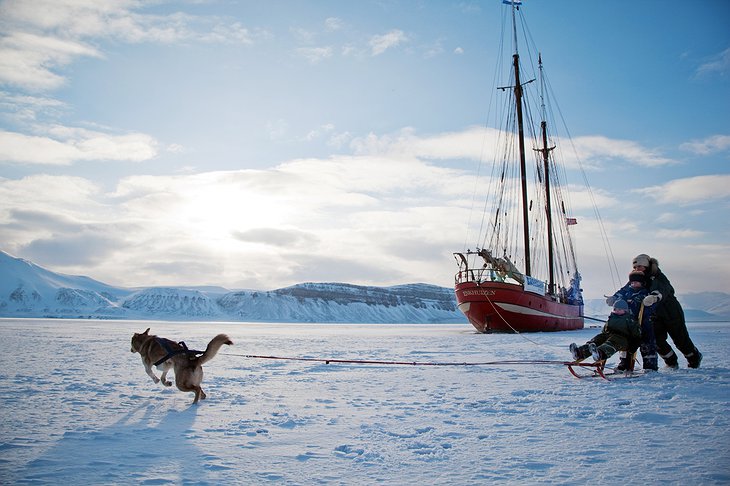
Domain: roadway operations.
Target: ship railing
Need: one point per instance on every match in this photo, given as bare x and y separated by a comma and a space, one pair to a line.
479, 275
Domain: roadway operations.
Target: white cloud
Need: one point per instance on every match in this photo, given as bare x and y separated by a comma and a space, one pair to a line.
709, 145
478, 143
333, 24
720, 64
64, 146
582, 199
276, 236
25, 107
314, 54
678, 233
43, 36
473, 143
28, 60
356, 209
388, 212
433, 50
596, 149
339, 140
348, 50
303, 35
27, 189
381, 43
691, 190
277, 129
234, 33
319, 132
74, 18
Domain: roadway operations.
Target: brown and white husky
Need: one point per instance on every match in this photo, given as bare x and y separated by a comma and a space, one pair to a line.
188, 367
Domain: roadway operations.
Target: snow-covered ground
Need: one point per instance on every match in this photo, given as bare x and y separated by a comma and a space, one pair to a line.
77, 408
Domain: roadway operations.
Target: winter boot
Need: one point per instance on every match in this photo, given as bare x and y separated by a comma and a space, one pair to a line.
694, 358
670, 359
597, 354
625, 364
649, 362
579, 352
649, 357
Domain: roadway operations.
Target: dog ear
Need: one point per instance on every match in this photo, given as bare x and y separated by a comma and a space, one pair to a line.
147, 331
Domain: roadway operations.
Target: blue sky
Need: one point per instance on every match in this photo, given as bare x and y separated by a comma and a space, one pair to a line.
261, 144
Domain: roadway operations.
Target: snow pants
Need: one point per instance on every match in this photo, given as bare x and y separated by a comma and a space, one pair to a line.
648, 346
610, 343
677, 330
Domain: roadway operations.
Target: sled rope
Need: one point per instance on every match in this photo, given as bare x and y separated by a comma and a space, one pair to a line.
407, 363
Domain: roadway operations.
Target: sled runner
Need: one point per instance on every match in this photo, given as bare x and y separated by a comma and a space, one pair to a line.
598, 369
595, 369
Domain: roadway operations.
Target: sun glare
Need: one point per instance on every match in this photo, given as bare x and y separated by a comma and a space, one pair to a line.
217, 212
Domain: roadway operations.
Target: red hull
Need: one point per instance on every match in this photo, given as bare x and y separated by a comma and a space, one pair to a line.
503, 307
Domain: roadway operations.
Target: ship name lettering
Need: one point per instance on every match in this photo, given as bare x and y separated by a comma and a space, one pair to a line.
479, 292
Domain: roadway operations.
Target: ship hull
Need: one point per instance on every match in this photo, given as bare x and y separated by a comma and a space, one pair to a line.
504, 307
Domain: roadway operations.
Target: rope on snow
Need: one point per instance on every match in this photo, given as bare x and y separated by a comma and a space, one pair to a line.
408, 363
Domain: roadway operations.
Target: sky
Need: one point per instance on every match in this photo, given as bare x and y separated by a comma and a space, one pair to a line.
261, 144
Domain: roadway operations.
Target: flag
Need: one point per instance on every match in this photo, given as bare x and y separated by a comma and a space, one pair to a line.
510, 2
571, 221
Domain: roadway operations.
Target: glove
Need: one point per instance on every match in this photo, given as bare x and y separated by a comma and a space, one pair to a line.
611, 300
652, 298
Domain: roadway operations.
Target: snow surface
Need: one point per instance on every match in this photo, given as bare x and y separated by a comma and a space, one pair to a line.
77, 408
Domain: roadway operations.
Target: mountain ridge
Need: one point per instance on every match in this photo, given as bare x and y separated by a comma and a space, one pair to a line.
29, 290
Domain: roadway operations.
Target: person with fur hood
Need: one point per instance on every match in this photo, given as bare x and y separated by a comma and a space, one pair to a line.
668, 316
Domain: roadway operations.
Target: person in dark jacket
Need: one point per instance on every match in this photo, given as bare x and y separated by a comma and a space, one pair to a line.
618, 333
633, 293
668, 318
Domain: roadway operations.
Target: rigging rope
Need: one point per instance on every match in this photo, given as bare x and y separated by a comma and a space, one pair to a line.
508, 324
521, 334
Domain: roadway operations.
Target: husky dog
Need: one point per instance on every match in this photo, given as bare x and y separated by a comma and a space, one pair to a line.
187, 366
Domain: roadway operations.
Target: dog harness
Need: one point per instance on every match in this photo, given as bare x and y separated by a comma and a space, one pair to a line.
166, 345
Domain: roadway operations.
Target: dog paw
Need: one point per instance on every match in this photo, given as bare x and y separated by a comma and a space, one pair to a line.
167, 383
156, 380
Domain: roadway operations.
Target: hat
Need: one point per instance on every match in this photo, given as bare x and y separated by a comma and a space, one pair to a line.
620, 304
642, 260
637, 276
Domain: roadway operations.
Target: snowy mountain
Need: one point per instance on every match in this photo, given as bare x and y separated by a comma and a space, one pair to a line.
28, 290
333, 302
172, 302
31, 291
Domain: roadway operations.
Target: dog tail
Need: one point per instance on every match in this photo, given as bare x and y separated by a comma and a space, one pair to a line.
213, 346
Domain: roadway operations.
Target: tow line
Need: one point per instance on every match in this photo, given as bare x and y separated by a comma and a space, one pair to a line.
596, 368
407, 363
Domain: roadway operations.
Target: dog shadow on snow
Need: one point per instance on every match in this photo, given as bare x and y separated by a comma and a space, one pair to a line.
139, 447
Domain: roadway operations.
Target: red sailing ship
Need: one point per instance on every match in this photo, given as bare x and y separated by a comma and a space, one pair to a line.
522, 276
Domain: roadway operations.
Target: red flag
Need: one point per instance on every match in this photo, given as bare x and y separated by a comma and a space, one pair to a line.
571, 221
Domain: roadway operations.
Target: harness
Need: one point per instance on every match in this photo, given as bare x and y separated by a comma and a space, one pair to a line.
165, 343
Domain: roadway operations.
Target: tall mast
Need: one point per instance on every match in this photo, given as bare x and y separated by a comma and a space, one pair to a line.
545, 151
521, 139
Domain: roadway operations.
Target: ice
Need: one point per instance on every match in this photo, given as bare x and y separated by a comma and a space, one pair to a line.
77, 407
